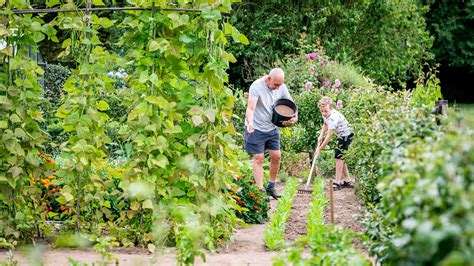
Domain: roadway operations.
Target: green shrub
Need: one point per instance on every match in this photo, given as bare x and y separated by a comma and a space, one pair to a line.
317, 67
427, 89
388, 39
251, 203
426, 211
54, 78
382, 121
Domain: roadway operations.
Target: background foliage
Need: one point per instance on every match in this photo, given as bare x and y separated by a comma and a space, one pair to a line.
389, 40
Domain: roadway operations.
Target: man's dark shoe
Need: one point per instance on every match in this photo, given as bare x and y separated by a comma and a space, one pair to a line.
272, 192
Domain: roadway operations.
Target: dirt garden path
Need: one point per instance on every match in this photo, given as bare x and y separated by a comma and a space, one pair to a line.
247, 247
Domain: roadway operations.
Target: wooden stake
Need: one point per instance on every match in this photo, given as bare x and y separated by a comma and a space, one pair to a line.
331, 201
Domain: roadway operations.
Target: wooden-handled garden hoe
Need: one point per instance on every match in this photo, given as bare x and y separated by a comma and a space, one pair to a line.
306, 190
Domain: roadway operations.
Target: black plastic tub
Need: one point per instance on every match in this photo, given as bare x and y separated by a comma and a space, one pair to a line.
283, 110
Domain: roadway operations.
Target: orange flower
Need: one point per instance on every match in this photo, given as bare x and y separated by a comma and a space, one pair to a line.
231, 193
251, 181
43, 204
47, 183
120, 170
62, 208
51, 177
243, 202
53, 190
256, 208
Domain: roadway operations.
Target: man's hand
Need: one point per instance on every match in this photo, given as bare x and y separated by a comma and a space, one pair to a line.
250, 128
290, 122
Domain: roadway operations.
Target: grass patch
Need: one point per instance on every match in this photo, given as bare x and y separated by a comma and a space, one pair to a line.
467, 113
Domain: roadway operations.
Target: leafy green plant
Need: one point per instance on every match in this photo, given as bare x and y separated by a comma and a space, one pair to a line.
425, 212
427, 89
252, 205
22, 137
329, 244
274, 234
389, 40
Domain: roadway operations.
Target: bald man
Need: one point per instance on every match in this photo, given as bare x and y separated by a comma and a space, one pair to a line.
260, 133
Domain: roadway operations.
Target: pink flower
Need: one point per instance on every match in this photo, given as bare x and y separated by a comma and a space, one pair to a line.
338, 83
311, 69
321, 63
327, 84
339, 104
316, 74
311, 57
308, 85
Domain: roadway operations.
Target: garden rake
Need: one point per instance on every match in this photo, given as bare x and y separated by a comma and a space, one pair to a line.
306, 190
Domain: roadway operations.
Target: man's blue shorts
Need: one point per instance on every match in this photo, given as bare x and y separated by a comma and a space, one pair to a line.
257, 141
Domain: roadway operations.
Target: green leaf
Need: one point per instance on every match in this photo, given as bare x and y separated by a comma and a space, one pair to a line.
98, 3
68, 196
211, 115
15, 118
185, 38
143, 77
102, 106
3, 124
106, 203
151, 248
227, 28
211, 14
197, 120
229, 57
83, 132
178, 20
158, 44
154, 79
51, 3
61, 199
134, 206
20, 133
243, 39
161, 161
38, 36
36, 26
157, 100
147, 204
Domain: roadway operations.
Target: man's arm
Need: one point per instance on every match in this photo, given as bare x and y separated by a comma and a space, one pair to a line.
251, 104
